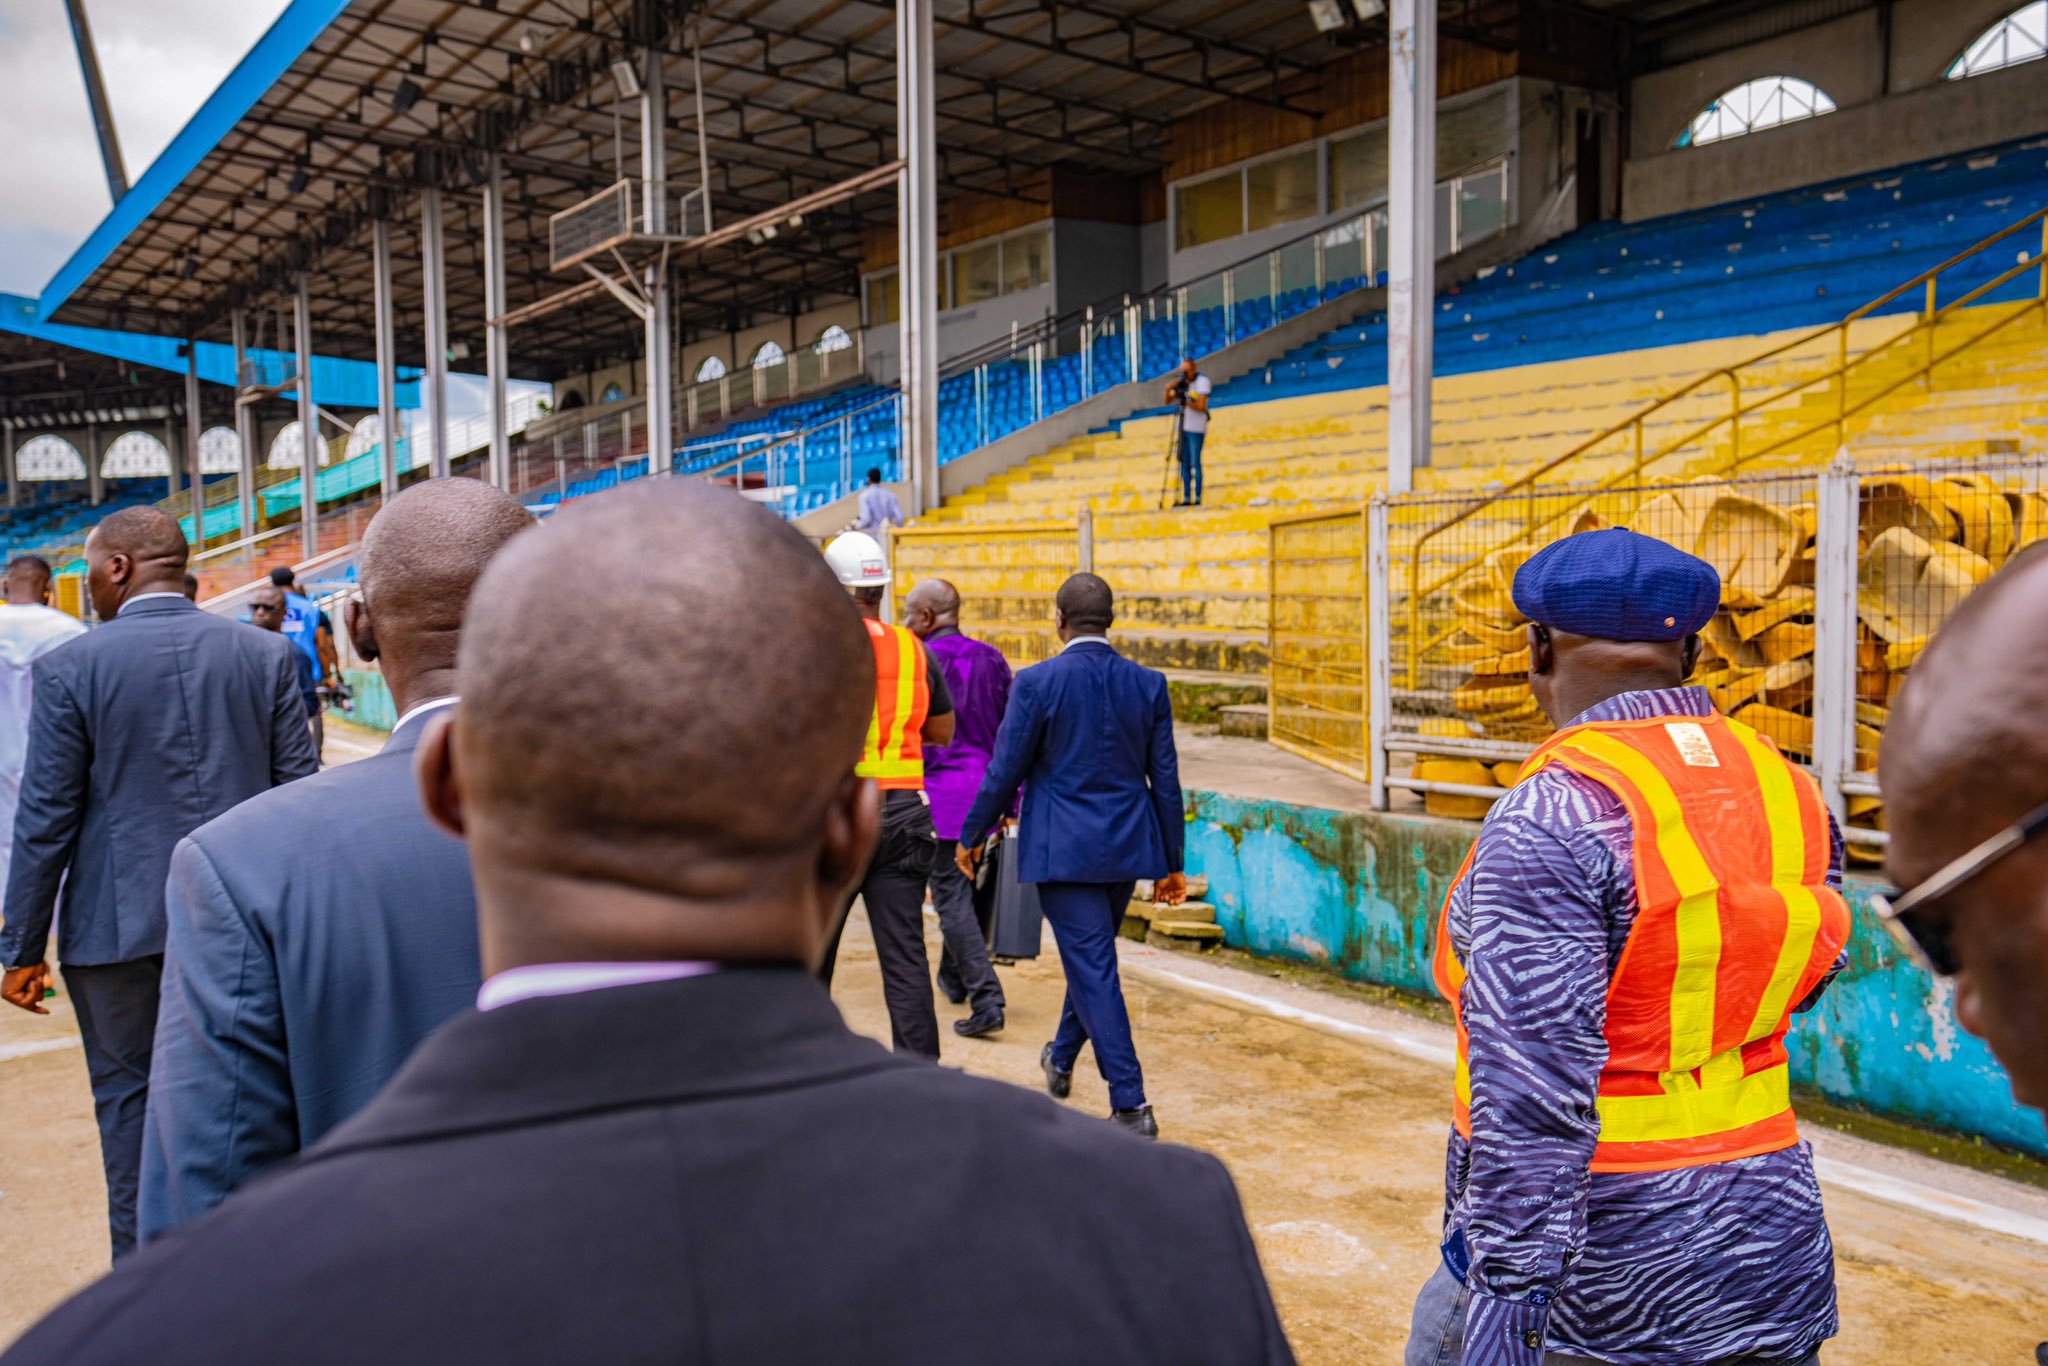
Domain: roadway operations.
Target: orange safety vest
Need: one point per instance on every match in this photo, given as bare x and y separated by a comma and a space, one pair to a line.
1735, 926
894, 753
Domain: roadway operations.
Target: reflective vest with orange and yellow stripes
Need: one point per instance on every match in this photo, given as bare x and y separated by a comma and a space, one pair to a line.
894, 752
1735, 927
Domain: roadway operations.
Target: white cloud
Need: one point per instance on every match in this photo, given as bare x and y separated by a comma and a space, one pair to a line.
160, 60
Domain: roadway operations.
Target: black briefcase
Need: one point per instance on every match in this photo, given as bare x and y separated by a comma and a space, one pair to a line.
1012, 905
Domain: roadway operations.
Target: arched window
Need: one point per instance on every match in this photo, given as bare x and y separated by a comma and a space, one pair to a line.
48, 458
364, 437
769, 355
220, 451
135, 455
612, 394
285, 451
833, 338
712, 368
2021, 36
1764, 102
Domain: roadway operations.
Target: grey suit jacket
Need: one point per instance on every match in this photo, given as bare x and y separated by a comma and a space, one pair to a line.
143, 730
317, 934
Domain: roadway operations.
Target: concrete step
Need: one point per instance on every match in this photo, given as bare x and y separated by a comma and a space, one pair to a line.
1243, 720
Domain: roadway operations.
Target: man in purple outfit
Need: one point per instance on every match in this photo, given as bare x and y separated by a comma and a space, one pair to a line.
979, 678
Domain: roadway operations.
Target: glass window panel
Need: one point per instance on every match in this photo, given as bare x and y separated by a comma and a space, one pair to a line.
1358, 168
1281, 190
884, 299
1025, 261
1471, 133
977, 274
1208, 210
2021, 36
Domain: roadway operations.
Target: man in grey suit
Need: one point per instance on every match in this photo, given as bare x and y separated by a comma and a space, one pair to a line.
296, 980
143, 730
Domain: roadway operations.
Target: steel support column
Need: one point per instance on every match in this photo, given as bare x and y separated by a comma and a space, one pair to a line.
1411, 238
500, 465
309, 421
245, 432
95, 487
192, 431
8, 443
434, 292
96, 99
387, 355
655, 283
917, 220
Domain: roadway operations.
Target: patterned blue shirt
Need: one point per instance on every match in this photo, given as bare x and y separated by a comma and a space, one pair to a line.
1657, 1268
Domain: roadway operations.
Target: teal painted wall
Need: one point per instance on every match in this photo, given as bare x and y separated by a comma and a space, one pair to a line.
1359, 894
373, 699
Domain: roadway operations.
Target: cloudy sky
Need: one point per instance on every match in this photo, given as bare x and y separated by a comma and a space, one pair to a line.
160, 58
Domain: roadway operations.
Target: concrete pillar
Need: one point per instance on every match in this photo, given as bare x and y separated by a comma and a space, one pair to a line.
9, 441
193, 428
654, 219
387, 355
1411, 238
95, 487
309, 423
918, 251
173, 483
245, 432
434, 288
500, 463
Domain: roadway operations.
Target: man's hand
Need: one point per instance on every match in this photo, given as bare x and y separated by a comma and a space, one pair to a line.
24, 987
1171, 890
966, 859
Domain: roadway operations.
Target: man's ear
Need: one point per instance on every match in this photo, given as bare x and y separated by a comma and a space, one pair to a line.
362, 632
1688, 657
1541, 653
433, 768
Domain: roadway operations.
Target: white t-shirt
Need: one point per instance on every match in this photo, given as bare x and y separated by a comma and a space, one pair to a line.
26, 634
1192, 421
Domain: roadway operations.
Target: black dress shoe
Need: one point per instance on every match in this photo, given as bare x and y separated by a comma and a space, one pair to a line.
1060, 1084
982, 1022
1138, 1121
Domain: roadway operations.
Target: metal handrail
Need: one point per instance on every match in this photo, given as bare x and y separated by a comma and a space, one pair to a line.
1928, 322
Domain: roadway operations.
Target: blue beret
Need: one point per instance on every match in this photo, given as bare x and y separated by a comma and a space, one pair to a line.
1616, 584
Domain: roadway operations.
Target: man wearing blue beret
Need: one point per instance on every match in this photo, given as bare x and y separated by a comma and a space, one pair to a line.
1625, 948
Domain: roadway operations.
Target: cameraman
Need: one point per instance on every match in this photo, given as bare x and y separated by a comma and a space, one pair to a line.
1189, 390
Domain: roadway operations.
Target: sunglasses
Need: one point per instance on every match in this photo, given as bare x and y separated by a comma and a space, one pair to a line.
1924, 938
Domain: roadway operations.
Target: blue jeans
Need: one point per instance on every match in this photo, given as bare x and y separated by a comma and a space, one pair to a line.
1436, 1335
1191, 466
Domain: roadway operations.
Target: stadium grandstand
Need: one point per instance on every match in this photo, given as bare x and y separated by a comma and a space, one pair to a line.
1766, 279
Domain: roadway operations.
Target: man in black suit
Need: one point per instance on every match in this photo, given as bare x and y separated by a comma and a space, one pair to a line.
655, 1140
299, 975
143, 730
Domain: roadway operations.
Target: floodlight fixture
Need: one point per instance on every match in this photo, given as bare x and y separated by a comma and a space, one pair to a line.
458, 350
796, 220
627, 78
1369, 10
529, 42
1327, 14
406, 95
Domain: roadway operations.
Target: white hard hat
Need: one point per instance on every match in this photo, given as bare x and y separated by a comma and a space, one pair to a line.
856, 558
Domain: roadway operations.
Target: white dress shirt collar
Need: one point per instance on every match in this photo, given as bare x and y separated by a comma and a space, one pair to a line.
145, 597
567, 979
1084, 640
421, 709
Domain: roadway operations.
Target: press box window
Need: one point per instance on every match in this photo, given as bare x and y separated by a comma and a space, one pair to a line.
1209, 210
1280, 190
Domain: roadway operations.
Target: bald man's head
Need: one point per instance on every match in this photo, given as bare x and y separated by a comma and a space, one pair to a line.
134, 551
931, 606
1965, 754
683, 772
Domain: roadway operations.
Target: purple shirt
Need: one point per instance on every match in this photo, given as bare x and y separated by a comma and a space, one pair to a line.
979, 678
1634, 1268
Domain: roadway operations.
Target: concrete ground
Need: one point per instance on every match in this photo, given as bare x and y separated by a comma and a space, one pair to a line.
1330, 1111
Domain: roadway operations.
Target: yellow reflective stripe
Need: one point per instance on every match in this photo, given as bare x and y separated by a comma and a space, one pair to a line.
1697, 1113
1788, 877
906, 694
871, 750
890, 768
1462, 1083
1697, 921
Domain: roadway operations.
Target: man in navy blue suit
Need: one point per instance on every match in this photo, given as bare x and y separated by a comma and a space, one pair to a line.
143, 730
1089, 737
297, 980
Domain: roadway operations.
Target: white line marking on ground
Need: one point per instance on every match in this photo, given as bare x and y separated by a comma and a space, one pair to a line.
1896, 1190
1899, 1191
9, 1052
1424, 1049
